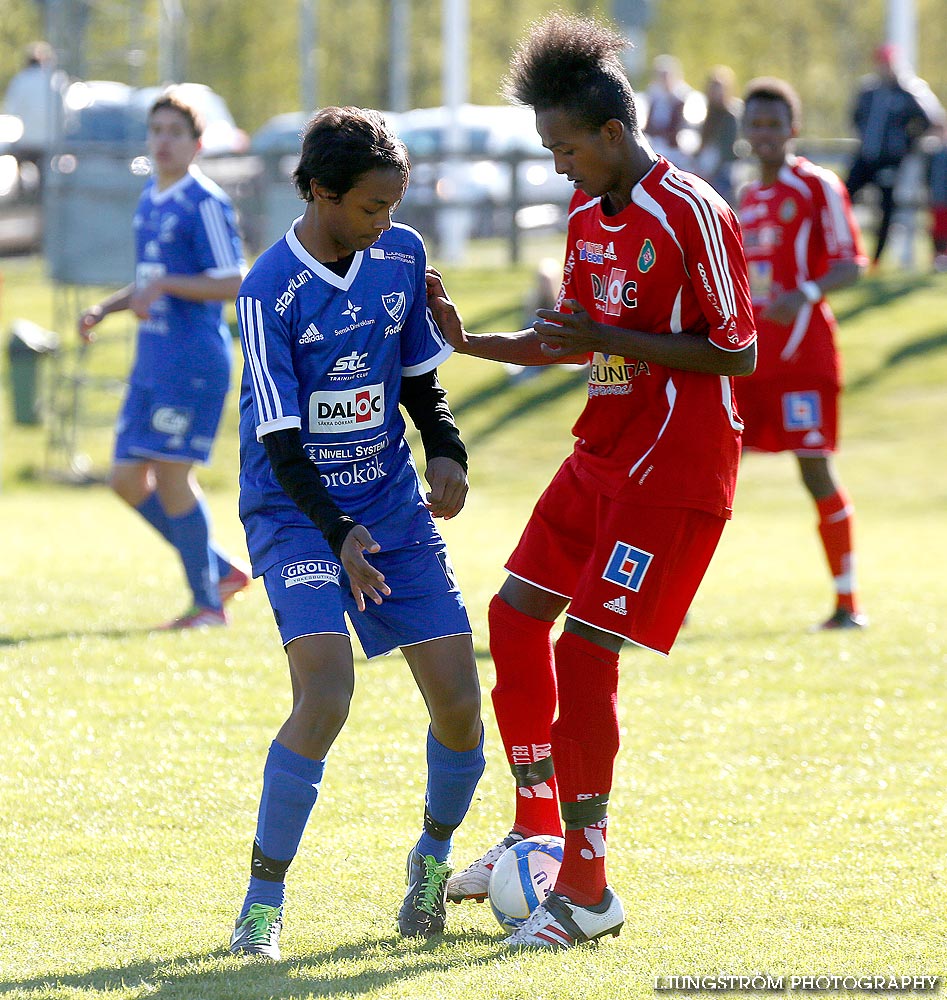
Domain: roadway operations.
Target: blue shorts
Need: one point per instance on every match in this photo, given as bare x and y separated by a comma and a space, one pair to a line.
171, 424
310, 596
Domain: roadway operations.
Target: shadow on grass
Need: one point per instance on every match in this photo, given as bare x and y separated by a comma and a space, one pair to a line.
908, 352
547, 386
107, 633
220, 976
884, 290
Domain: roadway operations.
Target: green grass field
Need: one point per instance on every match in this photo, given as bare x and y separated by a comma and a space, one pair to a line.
779, 802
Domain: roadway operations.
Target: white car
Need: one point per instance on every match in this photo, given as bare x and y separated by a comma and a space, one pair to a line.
477, 173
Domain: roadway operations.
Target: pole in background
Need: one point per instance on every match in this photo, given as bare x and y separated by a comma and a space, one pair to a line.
454, 221
901, 29
399, 47
308, 41
170, 42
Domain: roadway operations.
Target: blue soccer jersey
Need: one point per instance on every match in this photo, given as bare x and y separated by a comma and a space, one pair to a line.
188, 228
325, 354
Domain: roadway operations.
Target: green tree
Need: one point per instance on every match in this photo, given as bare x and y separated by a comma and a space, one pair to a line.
249, 51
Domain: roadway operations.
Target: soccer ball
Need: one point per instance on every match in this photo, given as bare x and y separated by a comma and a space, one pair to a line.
523, 878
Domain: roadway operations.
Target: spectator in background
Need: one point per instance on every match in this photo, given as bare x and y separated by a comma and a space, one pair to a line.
666, 97
719, 131
34, 95
893, 109
937, 196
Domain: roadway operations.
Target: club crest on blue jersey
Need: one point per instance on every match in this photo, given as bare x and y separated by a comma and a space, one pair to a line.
313, 573
395, 305
627, 566
802, 411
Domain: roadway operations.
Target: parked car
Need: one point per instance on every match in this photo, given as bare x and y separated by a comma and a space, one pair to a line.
109, 112
478, 178
478, 174
20, 222
222, 136
102, 112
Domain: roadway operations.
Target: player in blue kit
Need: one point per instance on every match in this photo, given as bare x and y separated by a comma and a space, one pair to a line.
336, 333
189, 260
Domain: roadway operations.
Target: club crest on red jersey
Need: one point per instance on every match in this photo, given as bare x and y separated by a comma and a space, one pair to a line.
787, 210
646, 257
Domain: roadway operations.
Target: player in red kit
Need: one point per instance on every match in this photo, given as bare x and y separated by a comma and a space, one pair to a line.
801, 242
655, 297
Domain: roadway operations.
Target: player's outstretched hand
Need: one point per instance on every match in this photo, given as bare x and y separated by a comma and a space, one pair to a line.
364, 579
448, 483
566, 333
88, 321
444, 311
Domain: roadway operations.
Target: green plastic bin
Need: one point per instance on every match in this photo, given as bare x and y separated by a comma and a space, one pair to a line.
29, 344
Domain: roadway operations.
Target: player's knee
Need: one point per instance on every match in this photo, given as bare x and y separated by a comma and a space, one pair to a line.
458, 718
324, 708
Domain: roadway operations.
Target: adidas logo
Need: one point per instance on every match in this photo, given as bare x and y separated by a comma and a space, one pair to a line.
311, 335
618, 606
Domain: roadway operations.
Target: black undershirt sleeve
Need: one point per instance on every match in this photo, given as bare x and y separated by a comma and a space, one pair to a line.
300, 480
425, 400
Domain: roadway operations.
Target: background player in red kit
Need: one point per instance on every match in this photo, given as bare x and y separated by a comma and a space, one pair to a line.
801, 242
655, 296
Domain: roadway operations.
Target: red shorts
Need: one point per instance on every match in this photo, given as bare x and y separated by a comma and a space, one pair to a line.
626, 569
780, 417
939, 226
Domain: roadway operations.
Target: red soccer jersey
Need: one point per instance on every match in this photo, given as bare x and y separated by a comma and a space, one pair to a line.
793, 231
671, 261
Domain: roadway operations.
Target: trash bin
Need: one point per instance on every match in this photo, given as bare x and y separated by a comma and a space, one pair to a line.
29, 344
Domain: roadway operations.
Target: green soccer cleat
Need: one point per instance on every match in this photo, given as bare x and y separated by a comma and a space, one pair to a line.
258, 933
423, 912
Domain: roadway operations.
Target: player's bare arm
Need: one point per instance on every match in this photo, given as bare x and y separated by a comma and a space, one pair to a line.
448, 482
522, 347
192, 287
566, 334
784, 308
94, 315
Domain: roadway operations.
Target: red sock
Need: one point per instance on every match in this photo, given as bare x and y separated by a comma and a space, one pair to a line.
524, 700
584, 746
836, 516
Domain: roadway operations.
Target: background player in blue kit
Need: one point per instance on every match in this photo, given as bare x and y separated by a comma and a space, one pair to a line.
336, 333
189, 260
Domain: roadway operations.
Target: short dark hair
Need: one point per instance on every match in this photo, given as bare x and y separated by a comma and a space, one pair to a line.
341, 145
771, 88
571, 63
170, 100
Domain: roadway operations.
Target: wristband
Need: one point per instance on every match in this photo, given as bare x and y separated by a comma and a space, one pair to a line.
811, 291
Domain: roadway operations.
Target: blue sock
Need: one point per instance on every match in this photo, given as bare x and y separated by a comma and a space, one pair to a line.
452, 777
290, 789
190, 535
152, 511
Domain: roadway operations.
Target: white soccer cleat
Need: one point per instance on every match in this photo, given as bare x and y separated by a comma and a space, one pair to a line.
559, 923
473, 882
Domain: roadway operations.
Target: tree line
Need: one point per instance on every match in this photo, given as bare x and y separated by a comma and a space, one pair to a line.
250, 51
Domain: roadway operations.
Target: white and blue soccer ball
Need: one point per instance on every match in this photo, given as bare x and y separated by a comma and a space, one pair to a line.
523, 877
